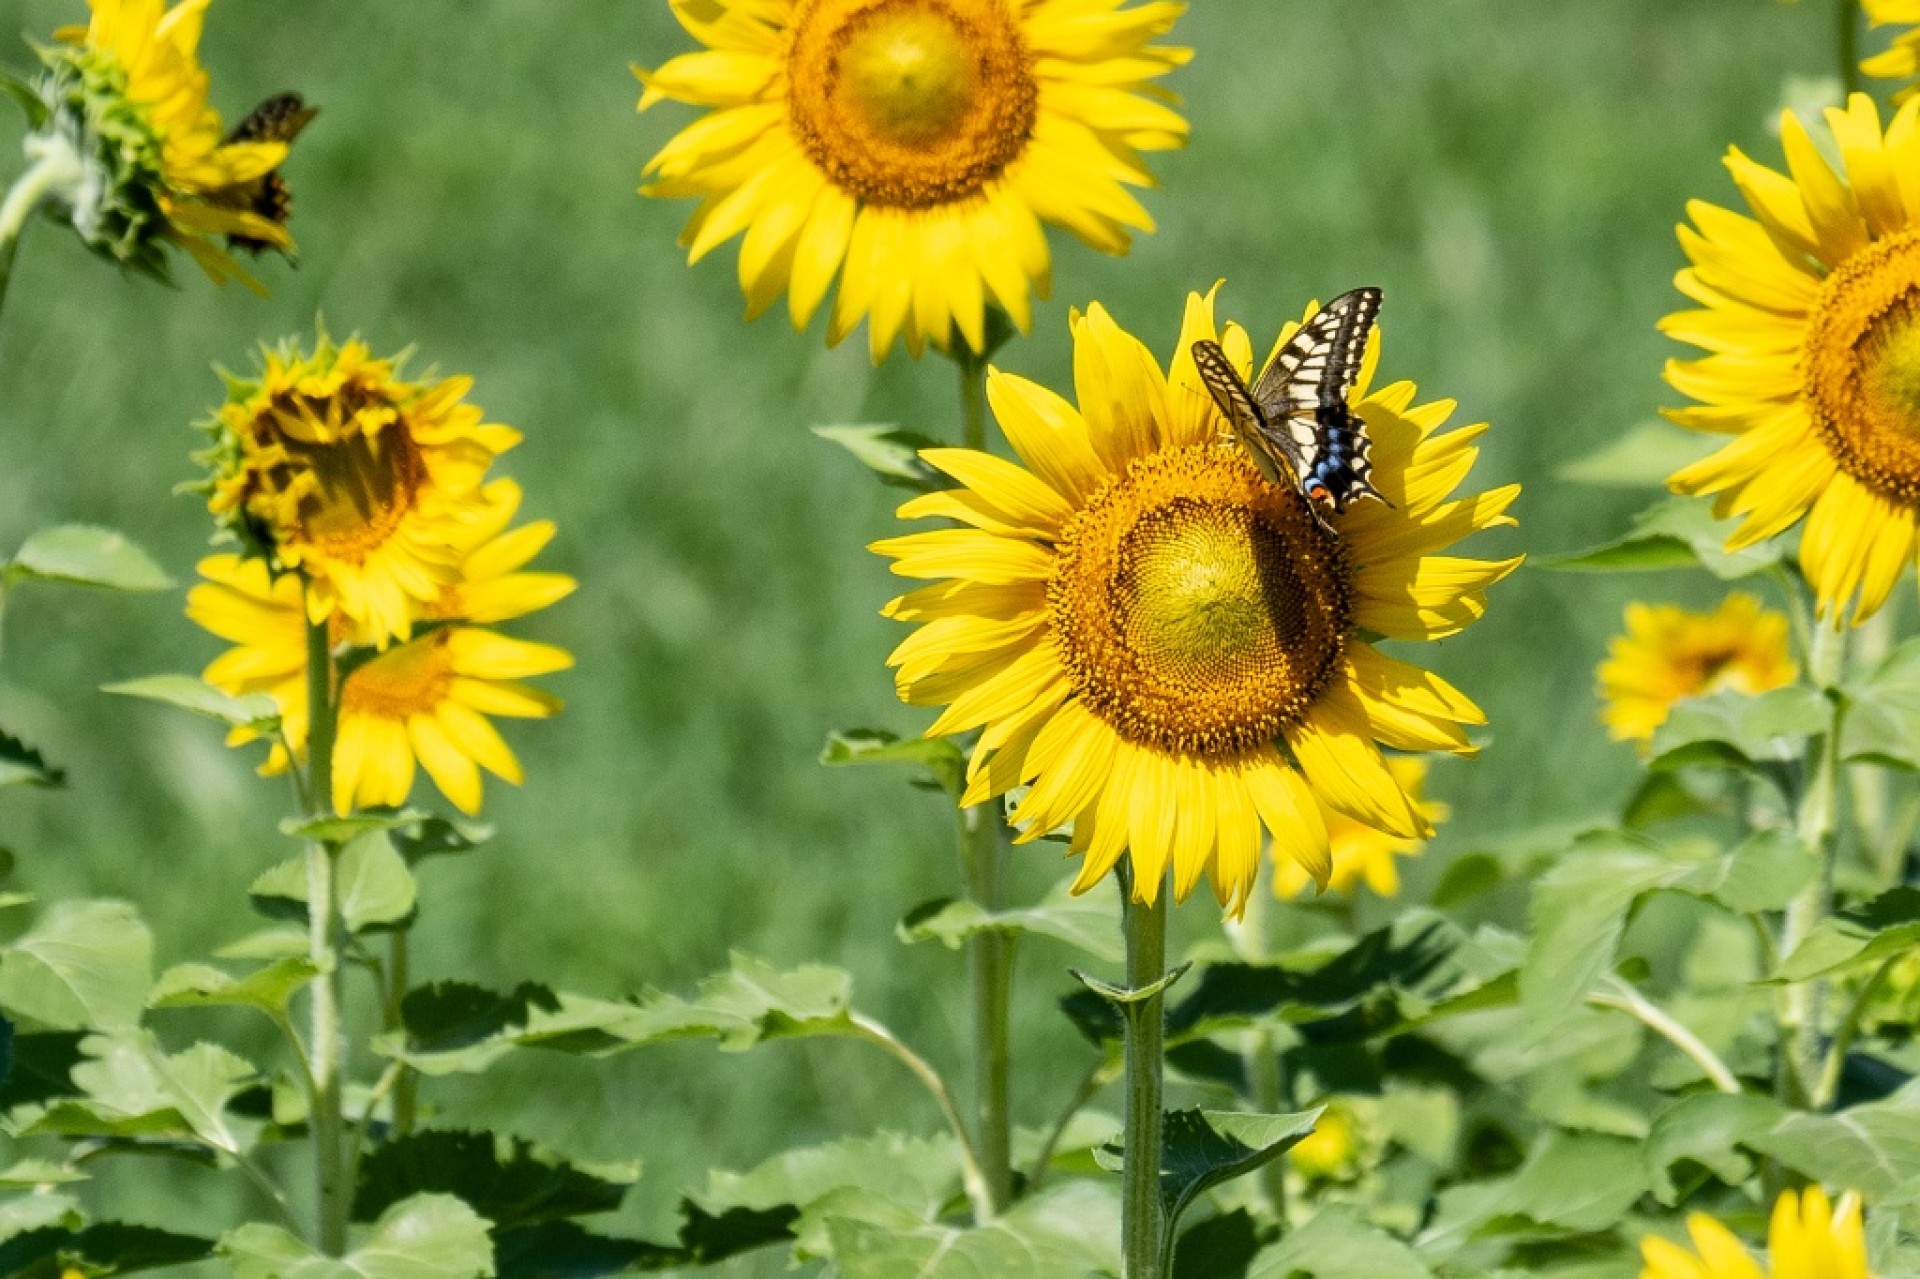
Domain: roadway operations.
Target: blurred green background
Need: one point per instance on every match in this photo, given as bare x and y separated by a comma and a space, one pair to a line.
1509, 173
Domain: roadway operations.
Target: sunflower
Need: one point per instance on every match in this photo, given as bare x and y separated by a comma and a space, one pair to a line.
368, 485
426, 700
914, 146
1902, 60
1166, 650
1362, 853
128, 94
1809, 1238
1668, 654
1810, 310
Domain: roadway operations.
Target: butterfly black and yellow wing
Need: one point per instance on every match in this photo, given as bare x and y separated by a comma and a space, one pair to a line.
278, 119
1302, 398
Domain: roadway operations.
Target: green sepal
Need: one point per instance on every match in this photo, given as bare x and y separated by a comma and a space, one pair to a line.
1126, 998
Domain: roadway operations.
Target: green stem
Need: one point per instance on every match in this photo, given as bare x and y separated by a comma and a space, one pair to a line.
990, 965
406, 1089
1624, 998
1098, 1076
970, 1171
1143, 1224
327, 1042
55, 165
1849, 1030
1800, 1005
1847, 28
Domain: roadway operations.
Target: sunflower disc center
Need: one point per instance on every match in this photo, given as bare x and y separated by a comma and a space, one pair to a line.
350, 468
1198, 609
1863, 366
911, 103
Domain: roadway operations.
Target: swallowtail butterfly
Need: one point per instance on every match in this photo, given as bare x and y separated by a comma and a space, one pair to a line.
278, 119
1295, 420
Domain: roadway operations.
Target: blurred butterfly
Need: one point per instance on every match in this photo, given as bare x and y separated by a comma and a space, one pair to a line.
1295, 420
278, 119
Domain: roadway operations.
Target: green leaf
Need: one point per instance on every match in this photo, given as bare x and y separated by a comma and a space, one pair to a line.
372, 885
341, 830
1337, 1244
426, 1237
1579, 913
1089, 922
751, 1004
1678, 532
507, 1181
1221, 1247
919, 1176
83, 965
82, 555
1731, 730
563, 1250
270, 989
438, 837
1706, 1129
1874, 1148
30, 1173
1642, 456
1070, 1230
132, 1089
22, 765
1886, 926
105, 1248
371, 882
255, 711
458, 1028
944, 761
1579, 1182
42, 1068
1764, 873
890, 453
1201, 1149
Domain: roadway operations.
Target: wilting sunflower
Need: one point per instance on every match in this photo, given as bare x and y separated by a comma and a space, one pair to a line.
1166, 649
368, 484
1668, 654
1360, 852
914, 147
126, 97
1902, 60
1809, 1238
426, 700
1810, 310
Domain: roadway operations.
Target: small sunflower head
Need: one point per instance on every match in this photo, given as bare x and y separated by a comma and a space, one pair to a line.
330, 464
135, 158
1337, 1149
1668, 654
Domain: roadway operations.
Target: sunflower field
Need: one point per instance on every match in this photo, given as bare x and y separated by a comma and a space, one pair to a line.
997, 639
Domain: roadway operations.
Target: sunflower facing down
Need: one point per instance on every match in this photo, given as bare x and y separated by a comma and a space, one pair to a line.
127, 95
370, 485
914, 148
425, 701
1810, 314
1166, 649
1808, 1238
1668, 654
1362, 854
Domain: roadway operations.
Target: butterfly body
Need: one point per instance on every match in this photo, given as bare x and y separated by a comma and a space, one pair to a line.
278, 119
1295, 421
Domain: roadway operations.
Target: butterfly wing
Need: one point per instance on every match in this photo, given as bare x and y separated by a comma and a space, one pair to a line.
278, 119
1269, 450
1302, 397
